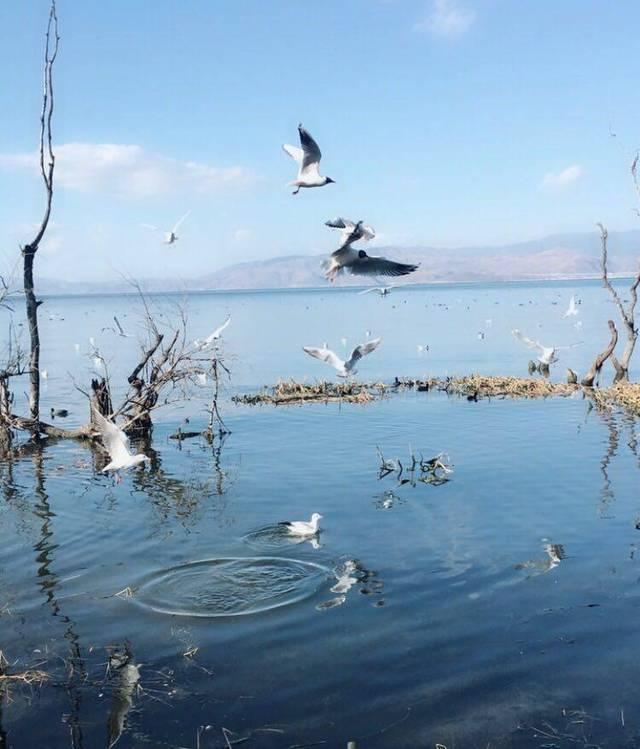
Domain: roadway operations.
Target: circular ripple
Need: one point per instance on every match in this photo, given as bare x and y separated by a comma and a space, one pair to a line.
231, 587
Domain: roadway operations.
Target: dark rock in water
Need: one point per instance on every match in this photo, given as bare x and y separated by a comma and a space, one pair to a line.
61, 412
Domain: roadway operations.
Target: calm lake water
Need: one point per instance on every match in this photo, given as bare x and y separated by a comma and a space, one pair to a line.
498, 609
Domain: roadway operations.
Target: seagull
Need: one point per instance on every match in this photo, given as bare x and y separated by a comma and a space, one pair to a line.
119, 331
357, 261
217, 333
44, 374
170, 236
381, 290
116, 443
547, 353
308, 159
422, 348
573, 308
61, 412
480, 335
344, 368
301, 527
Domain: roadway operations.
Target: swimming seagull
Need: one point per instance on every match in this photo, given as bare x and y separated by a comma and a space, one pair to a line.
573, 308
308, 159
216, 335
381, 290
116, 444
547, 354
357, 261
301, 527
170, 236
344, 368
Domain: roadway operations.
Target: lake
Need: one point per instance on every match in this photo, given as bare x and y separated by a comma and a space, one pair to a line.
496, 609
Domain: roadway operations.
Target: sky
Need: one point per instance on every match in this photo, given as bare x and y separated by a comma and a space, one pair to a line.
443, 123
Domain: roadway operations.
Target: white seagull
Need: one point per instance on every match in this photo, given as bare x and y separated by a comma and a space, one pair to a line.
381, 290
572, 309
357, 261
210, 339
119, 331
170, 236
547, 354
308, 160
116, 444
344, 368
301, 527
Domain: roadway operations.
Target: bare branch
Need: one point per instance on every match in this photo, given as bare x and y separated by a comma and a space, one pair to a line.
601, 358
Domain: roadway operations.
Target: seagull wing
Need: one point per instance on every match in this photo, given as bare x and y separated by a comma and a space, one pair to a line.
326, 355
218, 331
117, 322
151, 226
571, 345
379, 266
362, 350
114, 439
527, 341
368, 291
340, 223
312, 153
367, 233
175, 228
297, 154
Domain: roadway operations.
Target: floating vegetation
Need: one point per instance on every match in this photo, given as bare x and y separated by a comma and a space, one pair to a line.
625, 394
290, 392
27, 677
434, 470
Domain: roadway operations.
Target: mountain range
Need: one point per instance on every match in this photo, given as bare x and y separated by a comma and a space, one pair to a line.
559, 256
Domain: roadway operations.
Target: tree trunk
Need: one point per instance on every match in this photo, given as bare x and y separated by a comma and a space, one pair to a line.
6, 432
602, 358
622, 366
32, 318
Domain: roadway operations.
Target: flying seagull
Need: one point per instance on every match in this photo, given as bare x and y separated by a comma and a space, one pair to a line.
301, 527
119, 331
308, 159
381, 290
170, 236
357, 261
216, 335
344, 368
116, 444
573, 308
547, 354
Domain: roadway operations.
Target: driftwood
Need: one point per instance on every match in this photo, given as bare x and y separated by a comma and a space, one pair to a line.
591, 375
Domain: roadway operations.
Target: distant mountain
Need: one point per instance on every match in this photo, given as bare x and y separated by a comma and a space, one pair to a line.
554, 257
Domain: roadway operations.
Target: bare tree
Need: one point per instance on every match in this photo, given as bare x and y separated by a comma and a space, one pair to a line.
627, 313
47, 165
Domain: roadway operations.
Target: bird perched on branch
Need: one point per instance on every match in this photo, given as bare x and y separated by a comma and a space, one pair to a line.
357, 261
308, 160
344, 368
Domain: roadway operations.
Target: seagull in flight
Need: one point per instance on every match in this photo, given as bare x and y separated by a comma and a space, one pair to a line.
547, 354
210, 339
308, 160
302, 527
344, 368
170, 236
119, 331
572, 309
116, 444
381, 290
357, 261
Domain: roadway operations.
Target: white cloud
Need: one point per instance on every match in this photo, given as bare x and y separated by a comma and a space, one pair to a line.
446, 18
564, 177
132, 172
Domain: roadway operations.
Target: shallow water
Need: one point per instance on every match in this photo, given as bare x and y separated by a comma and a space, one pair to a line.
496, 609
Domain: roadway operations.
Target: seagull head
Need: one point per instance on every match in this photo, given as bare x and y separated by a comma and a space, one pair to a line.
362, 254
328, 180
315, 517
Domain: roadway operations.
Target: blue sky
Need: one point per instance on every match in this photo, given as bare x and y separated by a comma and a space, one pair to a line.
443, 122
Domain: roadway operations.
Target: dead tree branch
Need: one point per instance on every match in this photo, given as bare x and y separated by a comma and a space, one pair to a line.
47, 165
591, 375
626, 313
